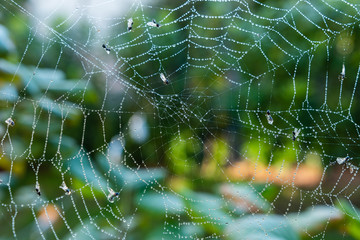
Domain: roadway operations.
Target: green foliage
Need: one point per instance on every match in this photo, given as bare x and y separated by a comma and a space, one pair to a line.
260, 226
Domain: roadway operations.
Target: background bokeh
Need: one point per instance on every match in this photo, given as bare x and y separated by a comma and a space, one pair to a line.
195, 159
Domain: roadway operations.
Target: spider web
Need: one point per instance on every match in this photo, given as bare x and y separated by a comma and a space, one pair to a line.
197, 158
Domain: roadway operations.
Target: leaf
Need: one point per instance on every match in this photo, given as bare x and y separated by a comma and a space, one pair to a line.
349, 209
67, 144
8, 67
185, 231
352, 214
260, 226
37, 80
45, 77
158, 233
314, 218
90, 230
161, 203
244, 197
208, 209
60, 109
6, 44
142, 177
21, 71
54, 81
82, 167
9, 93
132, 178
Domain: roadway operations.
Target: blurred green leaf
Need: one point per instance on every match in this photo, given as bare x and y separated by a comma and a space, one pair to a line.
37, 80
244, 197
208, 209
161, 203
60, 109
142, 177
158, 233
88, 228
314, 217
46, 77
259, 226
82, 167
352, 214
23, 72
8, 67
67, 144
6, 44
131, 178
349, 209
8, 93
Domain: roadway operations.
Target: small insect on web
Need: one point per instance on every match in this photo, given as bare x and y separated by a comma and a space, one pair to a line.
108, 50
10, 122
130, 24
346, 160
164, 79
65, 188
341, 160
112, 195
153, 23
295, 134
342, 74
269, 118
37, 188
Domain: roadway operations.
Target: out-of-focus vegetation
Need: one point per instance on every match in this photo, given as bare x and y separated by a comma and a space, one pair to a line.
195, 159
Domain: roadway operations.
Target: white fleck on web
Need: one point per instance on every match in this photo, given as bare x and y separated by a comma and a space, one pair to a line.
65, 188
168, 135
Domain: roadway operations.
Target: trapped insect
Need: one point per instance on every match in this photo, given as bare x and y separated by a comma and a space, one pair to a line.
164, 79
269, 118
108, 50
153, 23
342, 160
10, 122
37, 188
130, 24
345, 160
65, 188
342, 74
295, 134
112, 195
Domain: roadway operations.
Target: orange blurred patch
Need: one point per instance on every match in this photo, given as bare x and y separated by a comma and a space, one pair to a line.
48, 215
305, 175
